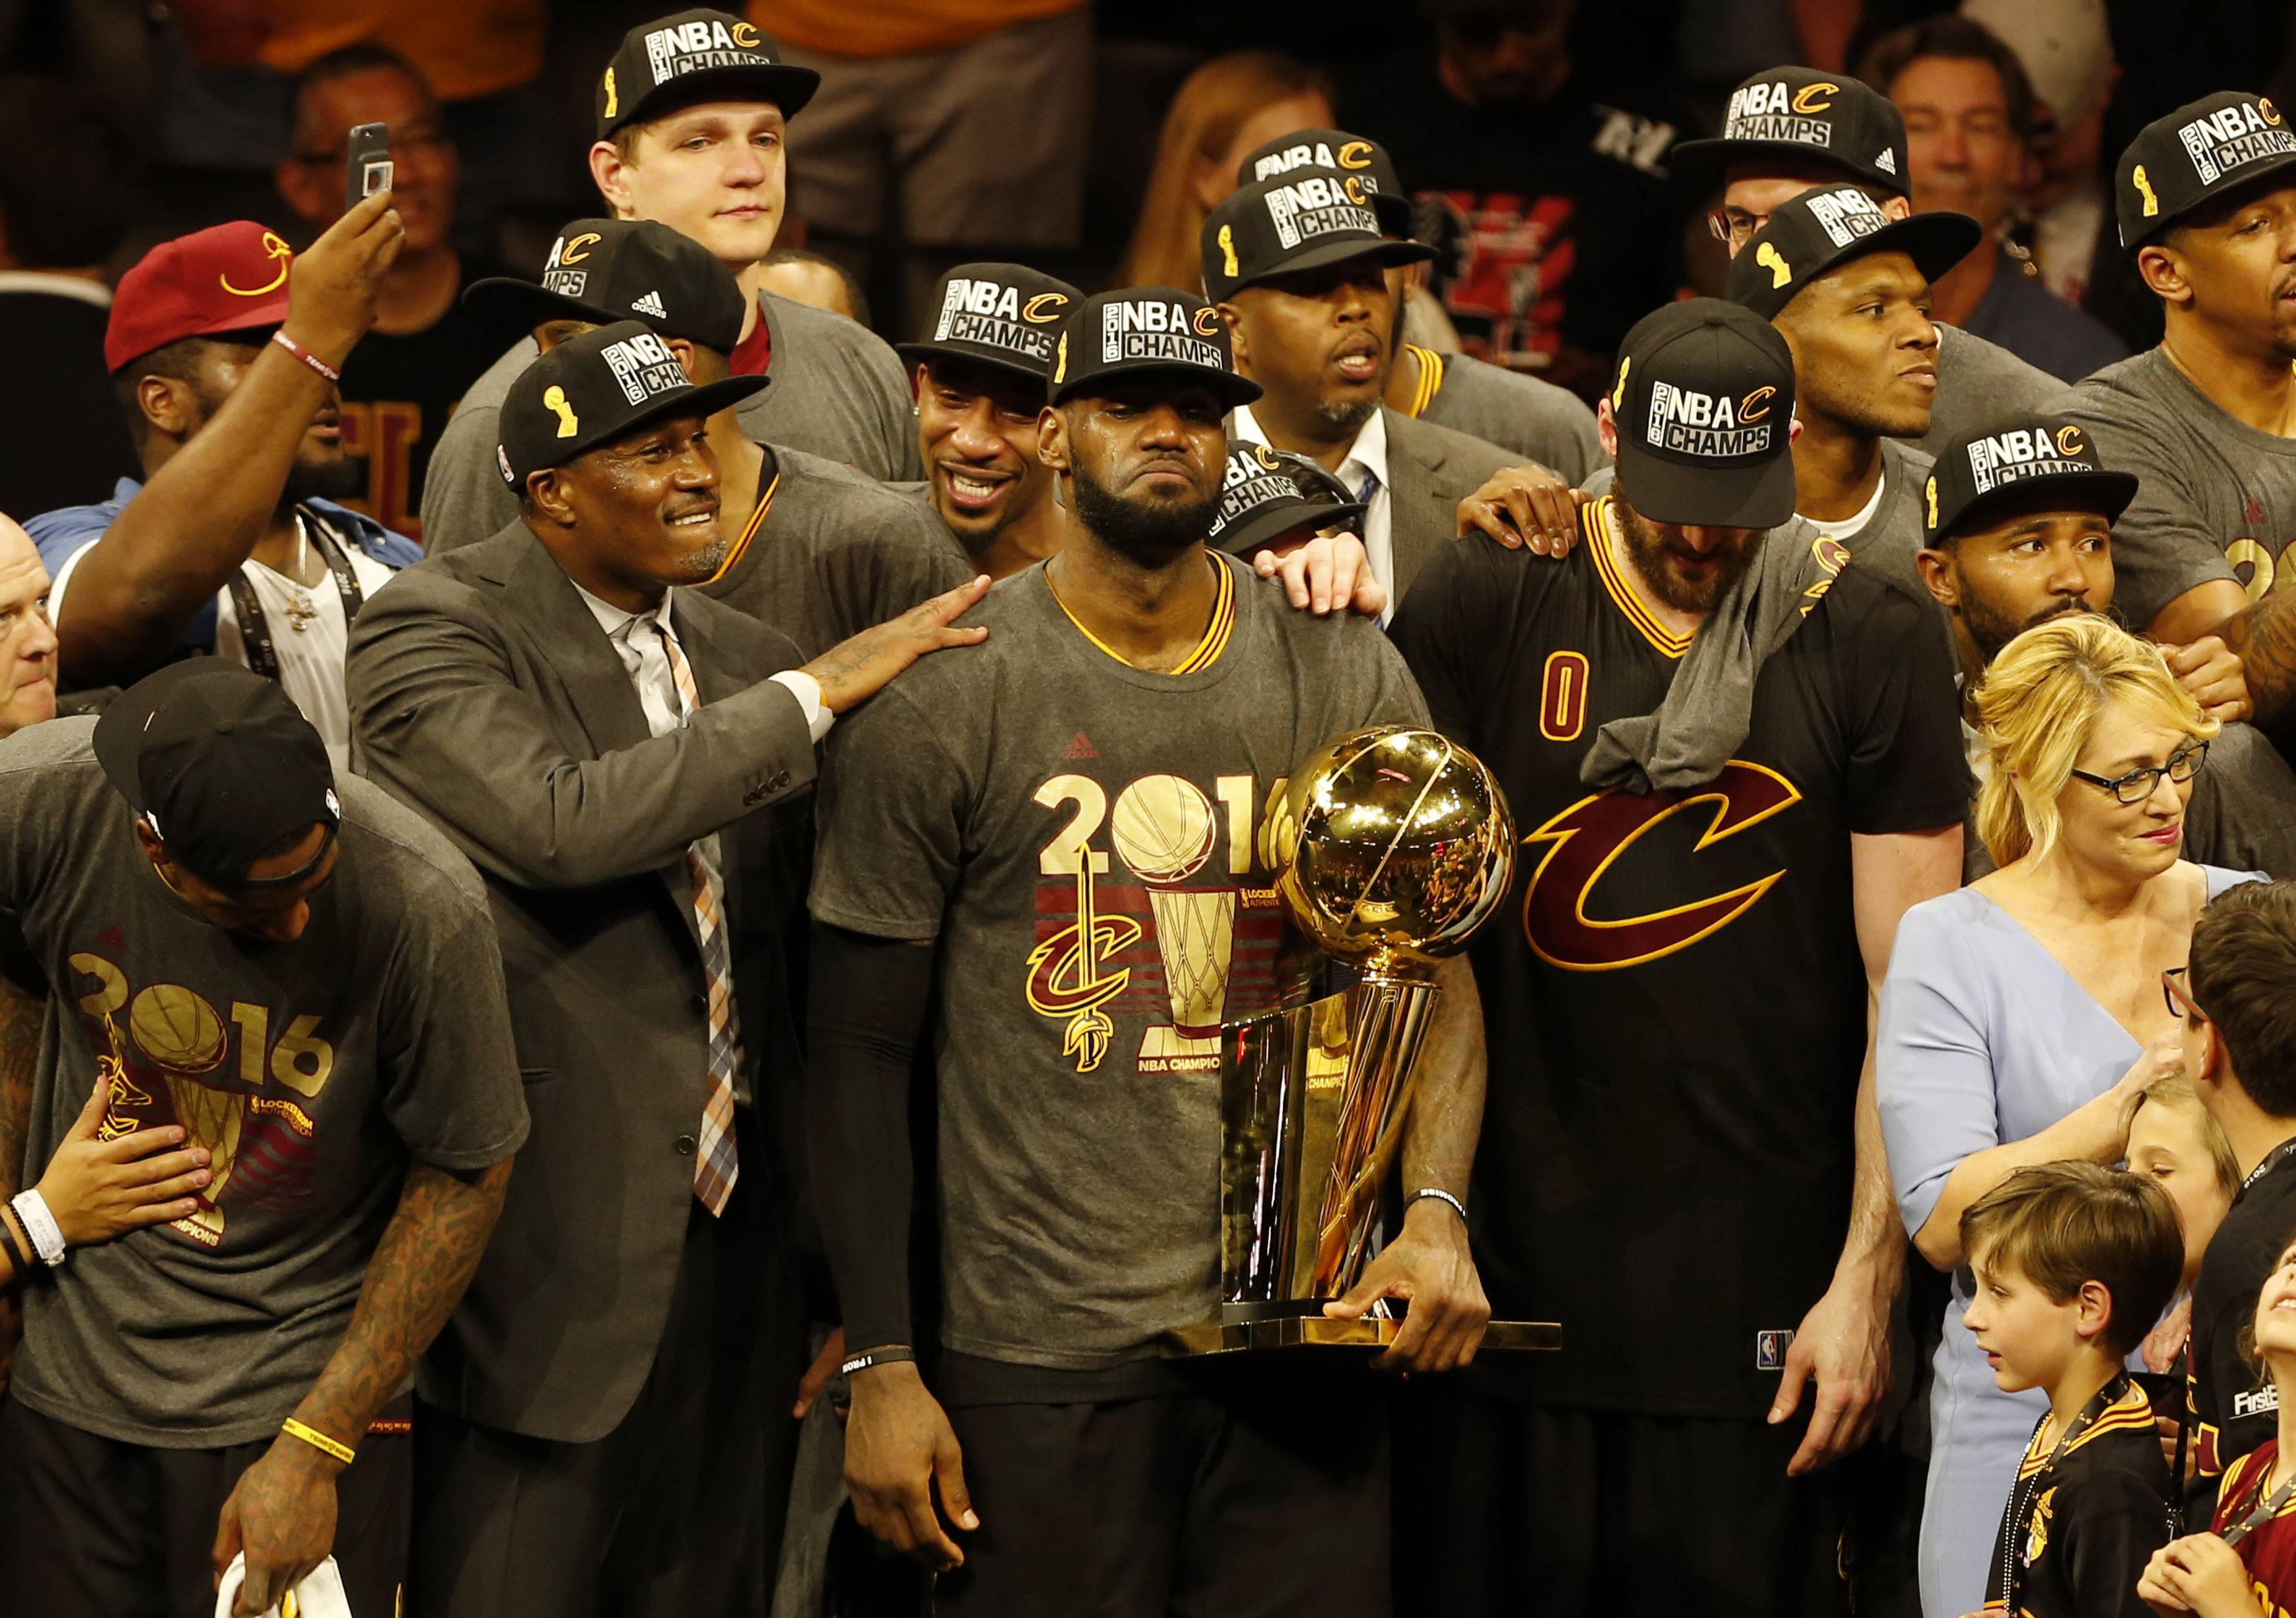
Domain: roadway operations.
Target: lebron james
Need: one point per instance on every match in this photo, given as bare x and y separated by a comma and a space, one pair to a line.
1060, 836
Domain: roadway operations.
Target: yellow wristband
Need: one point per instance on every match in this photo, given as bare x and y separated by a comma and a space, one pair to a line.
318, 1440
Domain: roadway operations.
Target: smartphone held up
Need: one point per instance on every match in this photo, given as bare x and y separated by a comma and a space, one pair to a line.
369, 167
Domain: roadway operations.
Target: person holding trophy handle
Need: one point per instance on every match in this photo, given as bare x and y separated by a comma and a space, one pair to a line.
1074, 817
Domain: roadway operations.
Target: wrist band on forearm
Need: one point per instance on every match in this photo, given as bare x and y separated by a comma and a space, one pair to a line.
40, 1225
1440, 1195
879, 1356
305, 356
318, 1441
15, 1253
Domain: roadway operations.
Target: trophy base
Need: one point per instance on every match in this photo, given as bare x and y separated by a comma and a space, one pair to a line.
1320, 1331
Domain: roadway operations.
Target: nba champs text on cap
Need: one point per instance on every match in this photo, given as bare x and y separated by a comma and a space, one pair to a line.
1802, 114
1704, 404
1007, 315
2193, 156
1146, 331
1299, 219
2023, 464
700, 56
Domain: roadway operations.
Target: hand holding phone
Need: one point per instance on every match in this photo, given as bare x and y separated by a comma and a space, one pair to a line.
369, 169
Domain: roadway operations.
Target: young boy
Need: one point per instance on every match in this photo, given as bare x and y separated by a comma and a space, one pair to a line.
2074, 1264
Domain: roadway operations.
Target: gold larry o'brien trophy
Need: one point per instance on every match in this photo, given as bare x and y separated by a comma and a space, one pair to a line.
1392, 845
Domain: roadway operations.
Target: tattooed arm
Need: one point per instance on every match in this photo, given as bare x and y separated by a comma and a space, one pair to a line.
282, 1513
2262, 632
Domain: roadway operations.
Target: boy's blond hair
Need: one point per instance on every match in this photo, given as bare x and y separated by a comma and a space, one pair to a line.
2061, 1225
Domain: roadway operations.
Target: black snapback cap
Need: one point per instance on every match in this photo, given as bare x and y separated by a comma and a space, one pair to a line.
1809, 235
1345, 154
1702, 402
220, 763
1007, 315
606, 270
1301, 219
595, 389
1146, 331
2026, 460
1267, 492
2195, 155
1802, 114
698, 55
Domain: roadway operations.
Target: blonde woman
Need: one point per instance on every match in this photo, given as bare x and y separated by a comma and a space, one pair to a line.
1227, 110
2022, 1017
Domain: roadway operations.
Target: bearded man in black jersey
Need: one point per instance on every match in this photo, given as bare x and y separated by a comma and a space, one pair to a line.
1072, 821
1736, 763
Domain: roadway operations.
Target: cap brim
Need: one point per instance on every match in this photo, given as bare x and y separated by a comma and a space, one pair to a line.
1231, 389
922, 353
1383, 252
1759, 497
2108, 494
783, 85
1278, 519
120, 730
522, 303
1707, 159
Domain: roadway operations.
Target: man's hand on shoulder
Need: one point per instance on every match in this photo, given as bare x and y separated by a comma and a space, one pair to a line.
1525, 507
1325, 571
2214, 676
853, 671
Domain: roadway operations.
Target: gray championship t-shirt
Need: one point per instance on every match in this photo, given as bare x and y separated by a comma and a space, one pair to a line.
314, 1072
1519, 413
2215, 498
837, 553
835, 389
1980, 384
1082, 837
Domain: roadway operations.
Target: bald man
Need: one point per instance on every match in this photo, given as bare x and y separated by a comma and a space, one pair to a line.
27, 644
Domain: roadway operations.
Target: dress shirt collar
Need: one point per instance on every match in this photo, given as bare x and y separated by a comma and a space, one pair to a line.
614, 620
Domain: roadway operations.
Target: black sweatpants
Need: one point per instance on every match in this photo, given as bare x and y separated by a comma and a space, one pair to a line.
1514, 1509
679, 1510
91, 1527
1262, 1495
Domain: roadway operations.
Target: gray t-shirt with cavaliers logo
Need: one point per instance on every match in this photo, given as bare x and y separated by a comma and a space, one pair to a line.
314, 1072
1082, 837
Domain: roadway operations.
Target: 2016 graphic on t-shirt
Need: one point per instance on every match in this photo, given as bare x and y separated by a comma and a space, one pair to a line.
164, 1051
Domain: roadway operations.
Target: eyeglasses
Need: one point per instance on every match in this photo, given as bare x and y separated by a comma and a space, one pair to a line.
1734, 225
2138, 785
2181, 1003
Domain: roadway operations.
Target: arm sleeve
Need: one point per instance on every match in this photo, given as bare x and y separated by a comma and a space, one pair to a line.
465, 499
2162, 545
1908, 771
1933, 1073
867, 1009
2109, 1545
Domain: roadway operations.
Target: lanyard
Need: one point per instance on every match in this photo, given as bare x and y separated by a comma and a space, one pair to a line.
2272, 1160
2027, 1489
2266, 1510
255, 629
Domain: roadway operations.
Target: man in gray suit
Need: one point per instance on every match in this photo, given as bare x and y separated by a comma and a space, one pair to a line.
1298, 267
621, 757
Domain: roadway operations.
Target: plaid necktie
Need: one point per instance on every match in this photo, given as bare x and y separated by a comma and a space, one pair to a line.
714, 1169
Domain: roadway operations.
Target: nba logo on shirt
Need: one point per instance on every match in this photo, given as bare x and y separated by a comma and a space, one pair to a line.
1770, 1349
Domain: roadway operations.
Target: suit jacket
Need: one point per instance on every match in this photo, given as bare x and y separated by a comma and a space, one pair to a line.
1430, 470
483, 693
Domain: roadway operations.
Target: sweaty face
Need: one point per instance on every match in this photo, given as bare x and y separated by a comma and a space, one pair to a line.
320, 468
1145, 463
1963, 155
718, 173
27, 644
1318, 340
645, 507
2026, 1336
977, 429
2242, 269
2027, 569
1689, 567
424, 170
1865, 351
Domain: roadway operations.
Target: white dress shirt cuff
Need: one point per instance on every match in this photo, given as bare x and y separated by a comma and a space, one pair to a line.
806, 689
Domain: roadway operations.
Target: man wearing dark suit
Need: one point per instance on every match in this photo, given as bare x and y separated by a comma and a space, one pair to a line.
622, 758
1298, 267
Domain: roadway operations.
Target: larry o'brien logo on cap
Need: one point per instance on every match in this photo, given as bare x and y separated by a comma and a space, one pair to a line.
1707, 425
991, 313
1155, 329
1774, 111
692, 46
2013, 457
2233, 137
1317, 206
1844, 215
645, 369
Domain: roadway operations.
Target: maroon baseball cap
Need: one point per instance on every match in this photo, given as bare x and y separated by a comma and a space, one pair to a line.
228, 278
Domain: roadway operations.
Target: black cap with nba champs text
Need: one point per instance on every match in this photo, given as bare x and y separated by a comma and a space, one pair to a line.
1800, 113
2026, 463
595, 389
1007, 315
1809, 235
1267, 492
1336, 149
695, 56
221, 764
1301, 219
1704, 404
2193, 156
606, 270
1146, 331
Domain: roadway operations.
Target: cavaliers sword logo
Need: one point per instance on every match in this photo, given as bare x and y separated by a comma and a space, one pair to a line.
1594, 833
1068, 977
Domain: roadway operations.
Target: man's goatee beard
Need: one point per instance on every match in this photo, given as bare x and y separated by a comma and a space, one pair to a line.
1150, 534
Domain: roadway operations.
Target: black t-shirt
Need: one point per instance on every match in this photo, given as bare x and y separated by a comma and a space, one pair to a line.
2080, 1530
397, 392
1565, 221
2235, 1406
1675, 1003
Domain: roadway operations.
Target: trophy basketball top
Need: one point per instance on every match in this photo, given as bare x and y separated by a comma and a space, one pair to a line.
1392, 845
